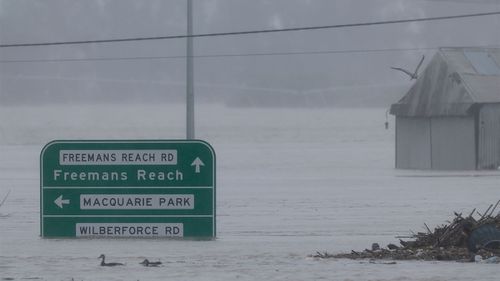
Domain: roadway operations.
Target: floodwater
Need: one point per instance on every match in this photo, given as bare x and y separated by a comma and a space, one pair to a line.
290, 182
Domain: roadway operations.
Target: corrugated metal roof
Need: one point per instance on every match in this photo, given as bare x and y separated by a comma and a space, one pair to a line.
454, 80
482, 62
483, 89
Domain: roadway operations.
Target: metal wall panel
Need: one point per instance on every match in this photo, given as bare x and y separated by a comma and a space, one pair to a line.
413, 149
489, 137
453, 143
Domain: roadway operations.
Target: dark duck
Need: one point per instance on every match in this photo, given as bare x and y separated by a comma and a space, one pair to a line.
104, 263
148, 263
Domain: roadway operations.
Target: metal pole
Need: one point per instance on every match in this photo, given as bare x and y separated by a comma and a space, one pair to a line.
189, 74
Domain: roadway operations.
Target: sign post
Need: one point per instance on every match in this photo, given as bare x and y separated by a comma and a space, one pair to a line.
162, 188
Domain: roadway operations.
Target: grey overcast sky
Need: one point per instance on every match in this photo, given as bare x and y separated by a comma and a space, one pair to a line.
32, 21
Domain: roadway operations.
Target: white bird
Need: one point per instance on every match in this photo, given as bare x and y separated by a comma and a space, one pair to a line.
413, 75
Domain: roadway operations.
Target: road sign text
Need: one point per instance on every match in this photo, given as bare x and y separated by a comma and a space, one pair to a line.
136, 201
118, 157
129, 230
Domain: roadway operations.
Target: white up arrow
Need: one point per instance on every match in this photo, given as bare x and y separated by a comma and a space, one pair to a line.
60, 201
197, 163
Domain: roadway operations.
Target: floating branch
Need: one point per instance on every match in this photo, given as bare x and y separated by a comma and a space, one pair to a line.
5, 198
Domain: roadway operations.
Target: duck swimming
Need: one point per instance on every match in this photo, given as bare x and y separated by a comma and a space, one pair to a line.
103, 263
146, 262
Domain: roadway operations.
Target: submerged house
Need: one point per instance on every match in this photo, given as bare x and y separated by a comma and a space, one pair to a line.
450, 118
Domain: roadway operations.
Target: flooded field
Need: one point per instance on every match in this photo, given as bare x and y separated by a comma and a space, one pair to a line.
290, 182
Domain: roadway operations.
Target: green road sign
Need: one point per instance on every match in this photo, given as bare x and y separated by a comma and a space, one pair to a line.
163, 188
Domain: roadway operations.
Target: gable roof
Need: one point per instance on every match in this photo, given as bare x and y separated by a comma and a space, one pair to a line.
454, 80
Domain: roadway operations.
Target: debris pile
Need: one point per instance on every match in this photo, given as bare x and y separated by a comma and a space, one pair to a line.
447, 242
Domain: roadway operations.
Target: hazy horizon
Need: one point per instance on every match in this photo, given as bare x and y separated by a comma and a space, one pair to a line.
274, 66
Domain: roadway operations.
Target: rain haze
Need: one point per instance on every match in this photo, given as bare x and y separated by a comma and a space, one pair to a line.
296, 119
351, 64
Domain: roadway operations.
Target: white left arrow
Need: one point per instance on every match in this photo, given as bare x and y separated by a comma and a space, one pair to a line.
60, 201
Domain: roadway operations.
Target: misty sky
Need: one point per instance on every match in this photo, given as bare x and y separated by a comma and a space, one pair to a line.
31, 21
